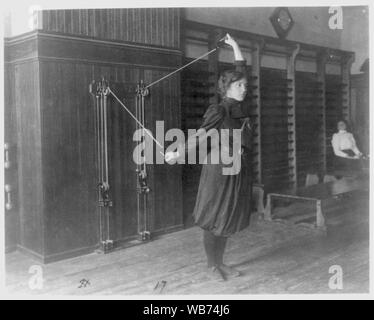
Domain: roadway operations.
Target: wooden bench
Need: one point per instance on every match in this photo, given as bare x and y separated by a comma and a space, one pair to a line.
328, 176
319, 194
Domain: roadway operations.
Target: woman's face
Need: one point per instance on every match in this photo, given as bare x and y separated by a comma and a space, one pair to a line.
237, 90
342, 126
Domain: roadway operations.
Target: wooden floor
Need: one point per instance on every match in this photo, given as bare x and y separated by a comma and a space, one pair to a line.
273, 257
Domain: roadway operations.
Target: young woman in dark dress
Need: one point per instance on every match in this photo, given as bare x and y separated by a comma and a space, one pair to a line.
223, 203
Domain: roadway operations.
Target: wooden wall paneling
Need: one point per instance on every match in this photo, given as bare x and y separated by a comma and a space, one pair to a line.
165, 197
279, 46
84, 75
11, 204
68, 159
122, 174
76, 22
155, 110
360, 110
175, 116
68, 21
152, 26
29, 155
56, 140
165, 201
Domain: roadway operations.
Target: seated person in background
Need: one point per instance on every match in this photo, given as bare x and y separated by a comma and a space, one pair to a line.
347, 155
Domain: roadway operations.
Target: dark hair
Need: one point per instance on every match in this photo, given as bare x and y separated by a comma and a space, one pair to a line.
226, 79
348, 127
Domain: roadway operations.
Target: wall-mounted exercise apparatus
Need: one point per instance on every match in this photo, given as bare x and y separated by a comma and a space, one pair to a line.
48, 74
100, 91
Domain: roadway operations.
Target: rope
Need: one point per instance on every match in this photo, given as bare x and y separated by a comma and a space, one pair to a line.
181, 68
137, 121
188, 64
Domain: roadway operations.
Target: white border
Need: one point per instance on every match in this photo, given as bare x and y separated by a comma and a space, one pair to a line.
69, 4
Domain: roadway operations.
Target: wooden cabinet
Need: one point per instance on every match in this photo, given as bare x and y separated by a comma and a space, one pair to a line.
53, 119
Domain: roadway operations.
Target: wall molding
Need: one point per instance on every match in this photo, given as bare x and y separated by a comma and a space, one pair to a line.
41, 45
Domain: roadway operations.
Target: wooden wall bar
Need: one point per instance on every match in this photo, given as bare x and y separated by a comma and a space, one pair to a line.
321, 79
309, 125
346, 66
257, 110
276, 149
334, 113
157, 26
292, 141
294, 113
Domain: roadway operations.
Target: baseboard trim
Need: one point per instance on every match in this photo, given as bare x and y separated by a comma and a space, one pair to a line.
119, 244
58, 256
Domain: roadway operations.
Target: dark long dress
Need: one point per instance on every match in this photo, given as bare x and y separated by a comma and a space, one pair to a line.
223, 203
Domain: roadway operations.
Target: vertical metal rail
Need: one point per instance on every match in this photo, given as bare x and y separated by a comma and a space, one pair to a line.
97, 100
100, 92
108, 242
141, 171
147, 233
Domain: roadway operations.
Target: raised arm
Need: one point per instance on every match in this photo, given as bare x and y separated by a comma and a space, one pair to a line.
237, 52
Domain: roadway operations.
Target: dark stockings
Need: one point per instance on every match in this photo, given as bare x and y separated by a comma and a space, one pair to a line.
214, 247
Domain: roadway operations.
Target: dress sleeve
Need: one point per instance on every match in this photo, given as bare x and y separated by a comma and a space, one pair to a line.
212, 119
354, 146
336, 146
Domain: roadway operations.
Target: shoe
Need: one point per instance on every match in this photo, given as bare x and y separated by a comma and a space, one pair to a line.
229, 271
215, 274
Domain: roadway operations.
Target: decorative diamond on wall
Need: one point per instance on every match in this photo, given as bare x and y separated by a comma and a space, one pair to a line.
282, 21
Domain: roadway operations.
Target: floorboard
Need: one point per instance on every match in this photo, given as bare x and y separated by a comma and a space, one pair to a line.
274, 258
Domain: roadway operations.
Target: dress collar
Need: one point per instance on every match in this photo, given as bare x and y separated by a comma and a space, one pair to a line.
230, 101
233, 108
